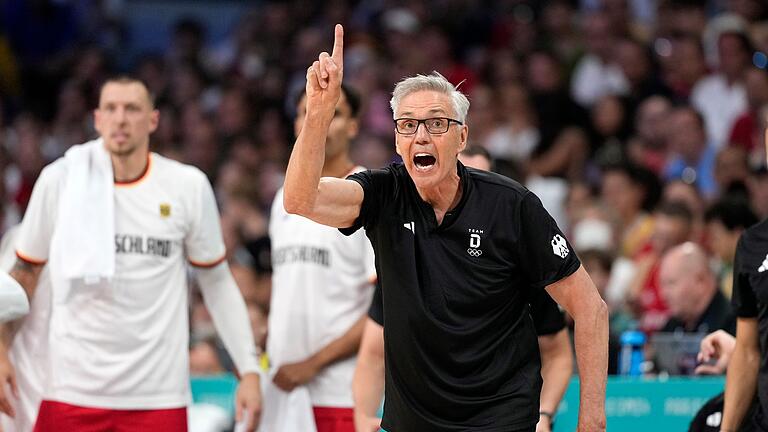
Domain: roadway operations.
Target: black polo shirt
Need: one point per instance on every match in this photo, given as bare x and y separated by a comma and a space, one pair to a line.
546, 315
750, 300
460, 346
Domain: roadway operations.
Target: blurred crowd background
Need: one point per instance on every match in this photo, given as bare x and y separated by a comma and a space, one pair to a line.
638, 122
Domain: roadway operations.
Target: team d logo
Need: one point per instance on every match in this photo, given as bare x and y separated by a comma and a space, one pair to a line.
165, 210
474, 243
559, 246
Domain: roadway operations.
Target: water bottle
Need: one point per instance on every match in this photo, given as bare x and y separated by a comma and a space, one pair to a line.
631, 355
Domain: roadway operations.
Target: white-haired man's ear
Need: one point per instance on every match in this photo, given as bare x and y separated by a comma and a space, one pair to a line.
13, 299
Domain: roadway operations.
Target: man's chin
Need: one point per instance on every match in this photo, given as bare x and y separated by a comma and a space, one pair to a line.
121, 150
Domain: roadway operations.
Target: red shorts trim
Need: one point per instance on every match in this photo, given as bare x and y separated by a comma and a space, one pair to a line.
330, 419
59, 416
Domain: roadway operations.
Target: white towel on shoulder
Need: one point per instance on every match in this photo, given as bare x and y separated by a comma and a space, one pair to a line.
85, 228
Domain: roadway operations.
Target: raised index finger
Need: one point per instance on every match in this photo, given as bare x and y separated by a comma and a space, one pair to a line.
338, 46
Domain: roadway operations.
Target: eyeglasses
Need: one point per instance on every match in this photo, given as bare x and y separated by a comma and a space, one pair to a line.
435, 125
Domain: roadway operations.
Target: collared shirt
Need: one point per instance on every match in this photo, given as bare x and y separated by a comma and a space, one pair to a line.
459, 340
750, 300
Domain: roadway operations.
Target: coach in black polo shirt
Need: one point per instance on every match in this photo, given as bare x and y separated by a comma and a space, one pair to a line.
457, 251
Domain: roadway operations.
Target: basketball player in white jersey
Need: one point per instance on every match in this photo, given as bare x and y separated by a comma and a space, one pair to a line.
118, 342
322, 284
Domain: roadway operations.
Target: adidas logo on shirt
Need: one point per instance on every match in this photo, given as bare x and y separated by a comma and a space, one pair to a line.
764, 266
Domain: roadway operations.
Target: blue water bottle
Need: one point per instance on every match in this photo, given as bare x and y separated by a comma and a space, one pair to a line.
631, 356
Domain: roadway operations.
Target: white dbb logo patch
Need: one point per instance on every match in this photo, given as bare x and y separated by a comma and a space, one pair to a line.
559, 246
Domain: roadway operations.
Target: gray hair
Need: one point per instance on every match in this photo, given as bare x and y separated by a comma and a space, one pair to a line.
433, 82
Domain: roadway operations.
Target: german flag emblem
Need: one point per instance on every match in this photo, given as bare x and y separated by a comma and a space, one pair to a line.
165, 210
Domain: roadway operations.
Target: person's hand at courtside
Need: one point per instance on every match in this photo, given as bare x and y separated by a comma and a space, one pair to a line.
324, 77
7, 382
366, 423
248, 401
716, 346
544, 424
291, 375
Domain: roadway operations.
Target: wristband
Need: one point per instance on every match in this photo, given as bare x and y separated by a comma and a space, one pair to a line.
546, 414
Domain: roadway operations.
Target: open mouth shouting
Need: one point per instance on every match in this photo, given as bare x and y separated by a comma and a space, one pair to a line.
424, 162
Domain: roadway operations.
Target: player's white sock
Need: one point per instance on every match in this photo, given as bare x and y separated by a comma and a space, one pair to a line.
13, 299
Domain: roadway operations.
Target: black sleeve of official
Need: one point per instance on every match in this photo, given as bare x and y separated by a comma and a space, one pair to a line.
743, 297
376, 311
372, 182
543, 251
547, 317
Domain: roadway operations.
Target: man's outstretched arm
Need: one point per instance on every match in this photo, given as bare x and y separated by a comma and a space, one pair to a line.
329, 201
578, 295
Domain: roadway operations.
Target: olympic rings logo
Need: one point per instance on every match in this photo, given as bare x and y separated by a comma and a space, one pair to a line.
474, 252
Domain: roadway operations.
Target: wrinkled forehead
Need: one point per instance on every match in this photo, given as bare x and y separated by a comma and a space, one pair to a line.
425, 104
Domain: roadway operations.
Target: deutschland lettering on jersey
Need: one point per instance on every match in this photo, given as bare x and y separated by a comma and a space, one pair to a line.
136, 244
301, 254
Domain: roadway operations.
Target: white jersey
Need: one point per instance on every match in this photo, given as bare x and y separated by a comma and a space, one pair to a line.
29, 350
124, 344
322, 283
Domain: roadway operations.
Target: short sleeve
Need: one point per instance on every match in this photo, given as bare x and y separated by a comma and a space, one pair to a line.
204, 242
376, 311
547, 317
34, 239
375, 184
743, 297
543, 251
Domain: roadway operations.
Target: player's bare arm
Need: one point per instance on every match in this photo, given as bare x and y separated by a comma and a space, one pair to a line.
556, 371
578, 295
329, 201
741, 380
27, 275
291, 375
368, 382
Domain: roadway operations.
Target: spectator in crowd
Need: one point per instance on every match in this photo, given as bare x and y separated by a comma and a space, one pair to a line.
672, 226
746, 129
692, 155
726, 221
684, 66
597, 72
690, 291
631, 192
721, 97
648, 146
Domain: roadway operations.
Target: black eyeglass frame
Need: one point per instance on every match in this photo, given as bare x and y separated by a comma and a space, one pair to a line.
424, 121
